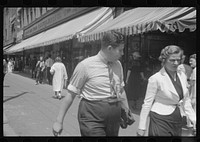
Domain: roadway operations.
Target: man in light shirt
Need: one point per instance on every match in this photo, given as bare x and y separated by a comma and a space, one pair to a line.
49, 63
99, 82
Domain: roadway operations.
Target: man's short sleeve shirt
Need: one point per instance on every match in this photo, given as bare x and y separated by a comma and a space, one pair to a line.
90, 78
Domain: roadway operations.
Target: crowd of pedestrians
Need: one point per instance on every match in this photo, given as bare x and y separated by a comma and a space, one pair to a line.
169, 94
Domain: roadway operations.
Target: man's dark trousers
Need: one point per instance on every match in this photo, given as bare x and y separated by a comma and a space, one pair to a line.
98, 118
49, 76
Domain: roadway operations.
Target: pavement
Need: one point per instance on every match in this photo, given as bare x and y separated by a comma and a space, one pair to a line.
30, 110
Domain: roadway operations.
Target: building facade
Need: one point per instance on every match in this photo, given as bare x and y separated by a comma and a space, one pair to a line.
24, 23
16, 19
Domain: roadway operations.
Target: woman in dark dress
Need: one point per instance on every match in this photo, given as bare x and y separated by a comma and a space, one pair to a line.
135, 77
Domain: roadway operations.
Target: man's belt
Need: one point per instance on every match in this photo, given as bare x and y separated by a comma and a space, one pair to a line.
108, 100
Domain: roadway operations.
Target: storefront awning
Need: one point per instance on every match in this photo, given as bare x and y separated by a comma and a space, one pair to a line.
20, 46
142, 20
5, 48
77, 26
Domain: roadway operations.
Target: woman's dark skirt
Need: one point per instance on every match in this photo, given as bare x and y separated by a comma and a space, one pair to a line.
165, 125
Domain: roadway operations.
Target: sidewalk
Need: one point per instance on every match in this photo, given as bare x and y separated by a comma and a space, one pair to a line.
31, 109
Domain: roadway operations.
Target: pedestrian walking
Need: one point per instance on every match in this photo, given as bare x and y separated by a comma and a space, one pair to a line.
13, 64
40, 66
45, 70
10, 66
16, 64
167, 97
49, 64
185, 68
192, 82
21, 64
99, 82
135, 78
192, 62
33, 66
60, 77
5, 68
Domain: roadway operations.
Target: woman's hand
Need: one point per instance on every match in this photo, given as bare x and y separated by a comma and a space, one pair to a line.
140, 132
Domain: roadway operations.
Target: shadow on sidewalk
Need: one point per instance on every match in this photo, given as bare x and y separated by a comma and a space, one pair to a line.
14, 97
22, 74
28, 75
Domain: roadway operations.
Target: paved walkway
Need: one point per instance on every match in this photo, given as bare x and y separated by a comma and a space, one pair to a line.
30, 110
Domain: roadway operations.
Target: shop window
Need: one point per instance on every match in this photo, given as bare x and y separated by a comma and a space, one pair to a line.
31, 14
40, 11
22, 17
6, 34
35, 12
27, 13
19, 18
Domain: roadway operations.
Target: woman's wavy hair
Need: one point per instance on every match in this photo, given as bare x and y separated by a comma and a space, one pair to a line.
58, 59
169, 50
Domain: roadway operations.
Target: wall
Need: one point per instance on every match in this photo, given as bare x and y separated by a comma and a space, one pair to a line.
9, 29
16, 18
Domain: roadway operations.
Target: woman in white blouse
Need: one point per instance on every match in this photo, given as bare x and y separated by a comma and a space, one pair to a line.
167, 97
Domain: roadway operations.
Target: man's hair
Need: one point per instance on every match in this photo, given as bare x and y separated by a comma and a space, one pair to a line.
112, 38
193, 56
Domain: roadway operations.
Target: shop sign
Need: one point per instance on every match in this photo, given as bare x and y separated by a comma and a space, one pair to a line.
63, 13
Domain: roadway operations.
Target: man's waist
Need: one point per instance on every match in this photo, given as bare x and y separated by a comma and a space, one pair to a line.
111, 99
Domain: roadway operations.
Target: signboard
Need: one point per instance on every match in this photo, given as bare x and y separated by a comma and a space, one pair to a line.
63, 13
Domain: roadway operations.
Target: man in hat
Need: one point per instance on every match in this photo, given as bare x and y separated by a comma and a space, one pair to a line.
99, 82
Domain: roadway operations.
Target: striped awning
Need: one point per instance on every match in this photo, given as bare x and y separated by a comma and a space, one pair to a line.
20, 46
5, 48
142, 20
75, 27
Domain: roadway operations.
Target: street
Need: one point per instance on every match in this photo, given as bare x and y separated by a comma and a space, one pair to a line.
30, 110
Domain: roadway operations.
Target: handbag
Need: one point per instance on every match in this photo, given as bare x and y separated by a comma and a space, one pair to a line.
127, 118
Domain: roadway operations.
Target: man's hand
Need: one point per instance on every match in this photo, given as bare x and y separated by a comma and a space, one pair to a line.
193, 101
140, 132
57, 128
65, 83
194, 125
